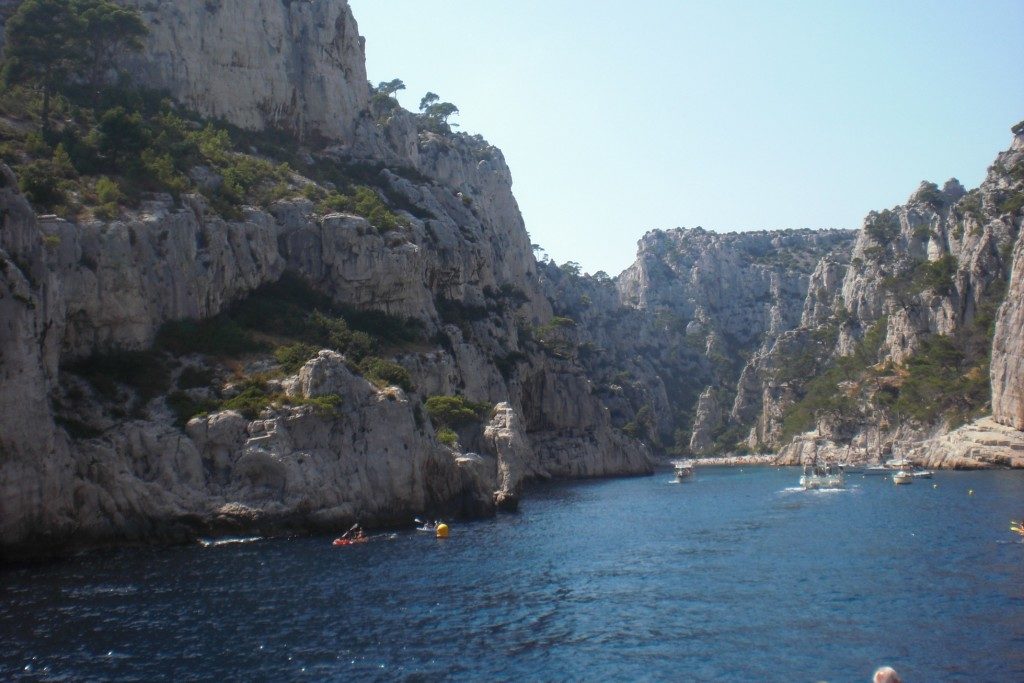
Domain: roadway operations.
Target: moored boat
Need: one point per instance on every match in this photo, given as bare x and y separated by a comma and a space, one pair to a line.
683, 469
822, 477
903, 477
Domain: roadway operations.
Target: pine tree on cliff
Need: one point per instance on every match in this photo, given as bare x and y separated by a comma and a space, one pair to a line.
110, 30
43, 48
50, 42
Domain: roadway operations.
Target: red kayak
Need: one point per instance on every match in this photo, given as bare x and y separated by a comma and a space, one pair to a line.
349, 541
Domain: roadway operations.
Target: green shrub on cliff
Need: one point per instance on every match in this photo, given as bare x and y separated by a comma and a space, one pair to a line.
294, 356
385, 372
936, 276
447, 436
455, 411
882, 226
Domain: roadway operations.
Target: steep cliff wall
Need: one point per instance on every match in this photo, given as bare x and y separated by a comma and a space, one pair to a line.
296, 66
666, 340
95, 446
738, 286
878, 337
915, 325
1008, 349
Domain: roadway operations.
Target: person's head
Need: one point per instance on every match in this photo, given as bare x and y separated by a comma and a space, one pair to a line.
887, 674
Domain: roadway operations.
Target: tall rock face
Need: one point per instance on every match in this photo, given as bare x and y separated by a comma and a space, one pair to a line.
295, 66
34, 458
924, 313
829, 339
666, 340
740, 287
1008, 349
91, 449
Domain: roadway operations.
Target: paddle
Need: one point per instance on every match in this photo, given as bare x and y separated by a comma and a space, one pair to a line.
354, 527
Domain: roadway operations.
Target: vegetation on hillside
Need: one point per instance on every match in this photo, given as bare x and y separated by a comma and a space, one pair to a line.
83, 146
287, 321
945, 379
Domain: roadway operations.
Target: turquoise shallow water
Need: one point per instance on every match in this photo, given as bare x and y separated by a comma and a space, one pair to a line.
734, 576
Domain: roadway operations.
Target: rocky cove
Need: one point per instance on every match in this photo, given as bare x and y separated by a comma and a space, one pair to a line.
126, 416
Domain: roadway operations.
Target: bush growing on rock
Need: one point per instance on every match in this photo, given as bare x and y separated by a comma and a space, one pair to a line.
455, 411
385, 372
447, 436
294, 356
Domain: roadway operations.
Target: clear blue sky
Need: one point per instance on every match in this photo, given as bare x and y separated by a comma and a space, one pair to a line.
619, 117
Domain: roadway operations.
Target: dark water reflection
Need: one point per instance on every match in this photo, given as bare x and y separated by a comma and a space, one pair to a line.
734, 576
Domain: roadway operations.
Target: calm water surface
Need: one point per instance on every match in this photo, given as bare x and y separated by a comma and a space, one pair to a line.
734, 576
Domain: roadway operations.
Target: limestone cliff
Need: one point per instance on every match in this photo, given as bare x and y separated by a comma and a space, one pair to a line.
667, 339
838, 339
92, 448
296, 66
1008, 349
910, 324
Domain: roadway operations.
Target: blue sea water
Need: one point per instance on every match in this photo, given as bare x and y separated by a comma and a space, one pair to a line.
736, 576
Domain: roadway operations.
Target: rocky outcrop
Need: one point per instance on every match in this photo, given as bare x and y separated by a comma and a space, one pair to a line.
976, 445
504, 434
706, 422
119, 282
980, 444
295, 66
1008, 349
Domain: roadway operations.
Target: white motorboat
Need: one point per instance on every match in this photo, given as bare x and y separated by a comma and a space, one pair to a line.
877, 471
818, 477
683, 469
851, 468
922, 474
903, 477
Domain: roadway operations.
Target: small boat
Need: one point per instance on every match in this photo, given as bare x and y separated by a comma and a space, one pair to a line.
851, 468
349, 541
903, 477
683, 469
1017, 527
822, 477
877, 471
922, 474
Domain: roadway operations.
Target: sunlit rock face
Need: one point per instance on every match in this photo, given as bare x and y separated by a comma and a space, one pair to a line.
295, 66
948, 263
333, 447
1008, 349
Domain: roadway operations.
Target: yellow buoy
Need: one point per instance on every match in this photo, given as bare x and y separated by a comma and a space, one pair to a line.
442, 530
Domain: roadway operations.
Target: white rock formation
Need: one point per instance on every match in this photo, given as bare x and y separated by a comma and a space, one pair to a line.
1008, 349
295, 66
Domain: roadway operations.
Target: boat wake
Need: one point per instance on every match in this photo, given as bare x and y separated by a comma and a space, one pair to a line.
230, 540
819, 492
